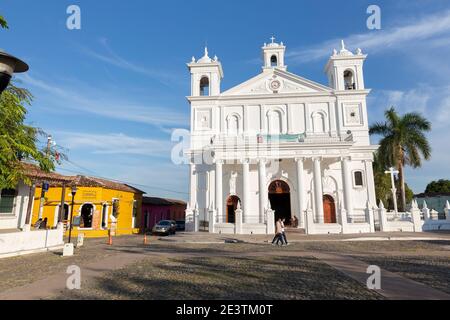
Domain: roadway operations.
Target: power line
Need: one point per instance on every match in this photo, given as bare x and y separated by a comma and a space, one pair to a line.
96, 175
80, 167
130, 183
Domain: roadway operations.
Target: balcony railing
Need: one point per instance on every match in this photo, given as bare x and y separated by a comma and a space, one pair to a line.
281, 139
267, 142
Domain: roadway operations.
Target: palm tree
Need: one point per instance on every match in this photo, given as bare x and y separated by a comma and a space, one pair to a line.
3, 23
403, 143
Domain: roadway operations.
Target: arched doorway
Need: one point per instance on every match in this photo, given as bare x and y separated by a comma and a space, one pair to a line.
64, 216
280, 200
232, 203
87, 212
329, 209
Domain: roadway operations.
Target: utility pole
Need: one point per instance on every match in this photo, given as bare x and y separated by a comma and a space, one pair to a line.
49, 145
44, 186
62, 212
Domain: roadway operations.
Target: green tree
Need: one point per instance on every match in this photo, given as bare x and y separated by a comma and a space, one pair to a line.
403, 143
3, 23
18, 141
382, 182
438, 186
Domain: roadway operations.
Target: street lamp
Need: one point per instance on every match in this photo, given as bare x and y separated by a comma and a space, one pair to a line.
9, 65
74, 192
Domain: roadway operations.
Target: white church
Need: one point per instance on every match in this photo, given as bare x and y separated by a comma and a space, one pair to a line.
281, 146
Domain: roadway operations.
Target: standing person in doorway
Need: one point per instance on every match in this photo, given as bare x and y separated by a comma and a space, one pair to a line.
294, 222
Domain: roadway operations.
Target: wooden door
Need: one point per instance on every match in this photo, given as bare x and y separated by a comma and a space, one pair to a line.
329, 209
232, 203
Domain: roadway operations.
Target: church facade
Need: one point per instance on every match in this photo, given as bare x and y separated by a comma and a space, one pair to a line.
281, 146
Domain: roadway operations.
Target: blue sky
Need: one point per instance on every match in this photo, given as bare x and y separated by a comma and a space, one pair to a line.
112, 92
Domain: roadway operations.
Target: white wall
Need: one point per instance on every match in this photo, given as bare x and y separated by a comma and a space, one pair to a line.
17, 218
30, 241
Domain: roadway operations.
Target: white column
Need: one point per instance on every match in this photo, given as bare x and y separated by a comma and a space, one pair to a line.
370, 182
238, 220
192, 185
218, 189
245, 187
262, 188
318, 190
415, 216
347, 181
289, 119
300, 192
383, 218
308, 127
212, 219
447, 210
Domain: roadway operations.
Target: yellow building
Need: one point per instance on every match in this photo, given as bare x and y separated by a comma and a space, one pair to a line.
99, 205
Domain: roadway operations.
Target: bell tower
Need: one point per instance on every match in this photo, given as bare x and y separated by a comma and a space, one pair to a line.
206, 75
273, 55
345, 69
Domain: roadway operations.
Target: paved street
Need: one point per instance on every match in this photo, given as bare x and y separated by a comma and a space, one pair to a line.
203, 266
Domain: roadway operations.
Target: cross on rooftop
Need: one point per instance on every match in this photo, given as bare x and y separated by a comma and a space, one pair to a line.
273, 39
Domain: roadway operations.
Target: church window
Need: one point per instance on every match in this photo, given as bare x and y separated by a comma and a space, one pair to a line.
274, 122
204, 86
274, 61
233, 124
349, 80
359, 182
318, 120
7, 201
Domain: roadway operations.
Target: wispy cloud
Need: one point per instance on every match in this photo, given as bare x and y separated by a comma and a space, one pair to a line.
433, 28
159, 179
112, 58
114, 143
432, 101
110, 105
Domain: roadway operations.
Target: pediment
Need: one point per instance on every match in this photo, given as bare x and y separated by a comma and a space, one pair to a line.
276, 81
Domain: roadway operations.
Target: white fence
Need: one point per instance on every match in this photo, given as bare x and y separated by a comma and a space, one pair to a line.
417, 220
23, 242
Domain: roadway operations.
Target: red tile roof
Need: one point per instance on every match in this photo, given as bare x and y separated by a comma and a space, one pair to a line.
56, 179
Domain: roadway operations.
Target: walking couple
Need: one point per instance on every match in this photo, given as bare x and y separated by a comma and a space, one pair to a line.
280, 234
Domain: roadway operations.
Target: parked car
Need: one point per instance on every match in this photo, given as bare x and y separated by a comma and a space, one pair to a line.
181, 225
165, 227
